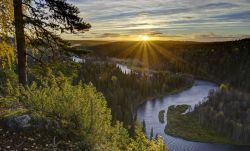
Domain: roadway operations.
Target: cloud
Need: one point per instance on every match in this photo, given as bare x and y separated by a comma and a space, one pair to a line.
154, 33
211, 36
165, 17
217, 37
150, 12
108, 35
219, 5
168, 36
188, 17
234, 16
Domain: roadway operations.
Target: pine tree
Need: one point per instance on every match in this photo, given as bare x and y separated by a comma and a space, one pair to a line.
43, 18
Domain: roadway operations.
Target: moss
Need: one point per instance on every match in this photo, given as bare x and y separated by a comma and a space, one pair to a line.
187, 126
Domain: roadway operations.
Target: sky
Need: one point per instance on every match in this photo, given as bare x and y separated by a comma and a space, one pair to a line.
189, 20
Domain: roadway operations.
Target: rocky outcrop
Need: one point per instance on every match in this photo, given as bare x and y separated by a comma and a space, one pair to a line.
18, 122
23, 122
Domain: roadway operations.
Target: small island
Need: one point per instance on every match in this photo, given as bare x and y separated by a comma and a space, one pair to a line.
188, 127
161, 116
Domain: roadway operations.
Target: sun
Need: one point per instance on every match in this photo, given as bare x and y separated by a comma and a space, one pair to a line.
145, 38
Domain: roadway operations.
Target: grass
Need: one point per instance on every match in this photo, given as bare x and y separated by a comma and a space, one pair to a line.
161, 116
187, 127
10, 107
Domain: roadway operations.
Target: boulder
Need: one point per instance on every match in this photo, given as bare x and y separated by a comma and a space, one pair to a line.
18, 122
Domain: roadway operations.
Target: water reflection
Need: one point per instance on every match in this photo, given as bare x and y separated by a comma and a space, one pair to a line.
124, 68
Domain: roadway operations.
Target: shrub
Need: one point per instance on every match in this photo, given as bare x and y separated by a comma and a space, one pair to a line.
82, 114
7, 77
80, 109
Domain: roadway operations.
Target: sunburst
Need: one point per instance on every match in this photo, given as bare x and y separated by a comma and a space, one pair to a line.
145, 38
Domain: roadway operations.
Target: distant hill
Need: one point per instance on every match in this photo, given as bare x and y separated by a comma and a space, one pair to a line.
87, 42
227, 62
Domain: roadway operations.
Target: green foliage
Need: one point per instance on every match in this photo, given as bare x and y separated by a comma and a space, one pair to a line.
141, 143
227, 112
226, 62
6, 16
40, 74
114, 79
82, 113
188, 127
6, 19
124, 92
47, 19
80, 109
6, 54
224, 87
8, 79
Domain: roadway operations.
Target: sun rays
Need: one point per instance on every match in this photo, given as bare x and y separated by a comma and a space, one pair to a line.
148, 52
145, 38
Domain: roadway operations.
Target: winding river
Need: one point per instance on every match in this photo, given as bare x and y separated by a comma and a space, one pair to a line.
150, 109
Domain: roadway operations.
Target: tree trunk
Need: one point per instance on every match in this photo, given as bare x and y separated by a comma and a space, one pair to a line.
20, 41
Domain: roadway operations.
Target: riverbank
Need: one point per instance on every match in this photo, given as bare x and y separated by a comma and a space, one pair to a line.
187, 127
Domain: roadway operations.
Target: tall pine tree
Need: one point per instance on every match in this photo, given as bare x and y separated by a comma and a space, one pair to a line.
38, 21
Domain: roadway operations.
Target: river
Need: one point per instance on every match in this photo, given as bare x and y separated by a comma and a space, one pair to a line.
150, 109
